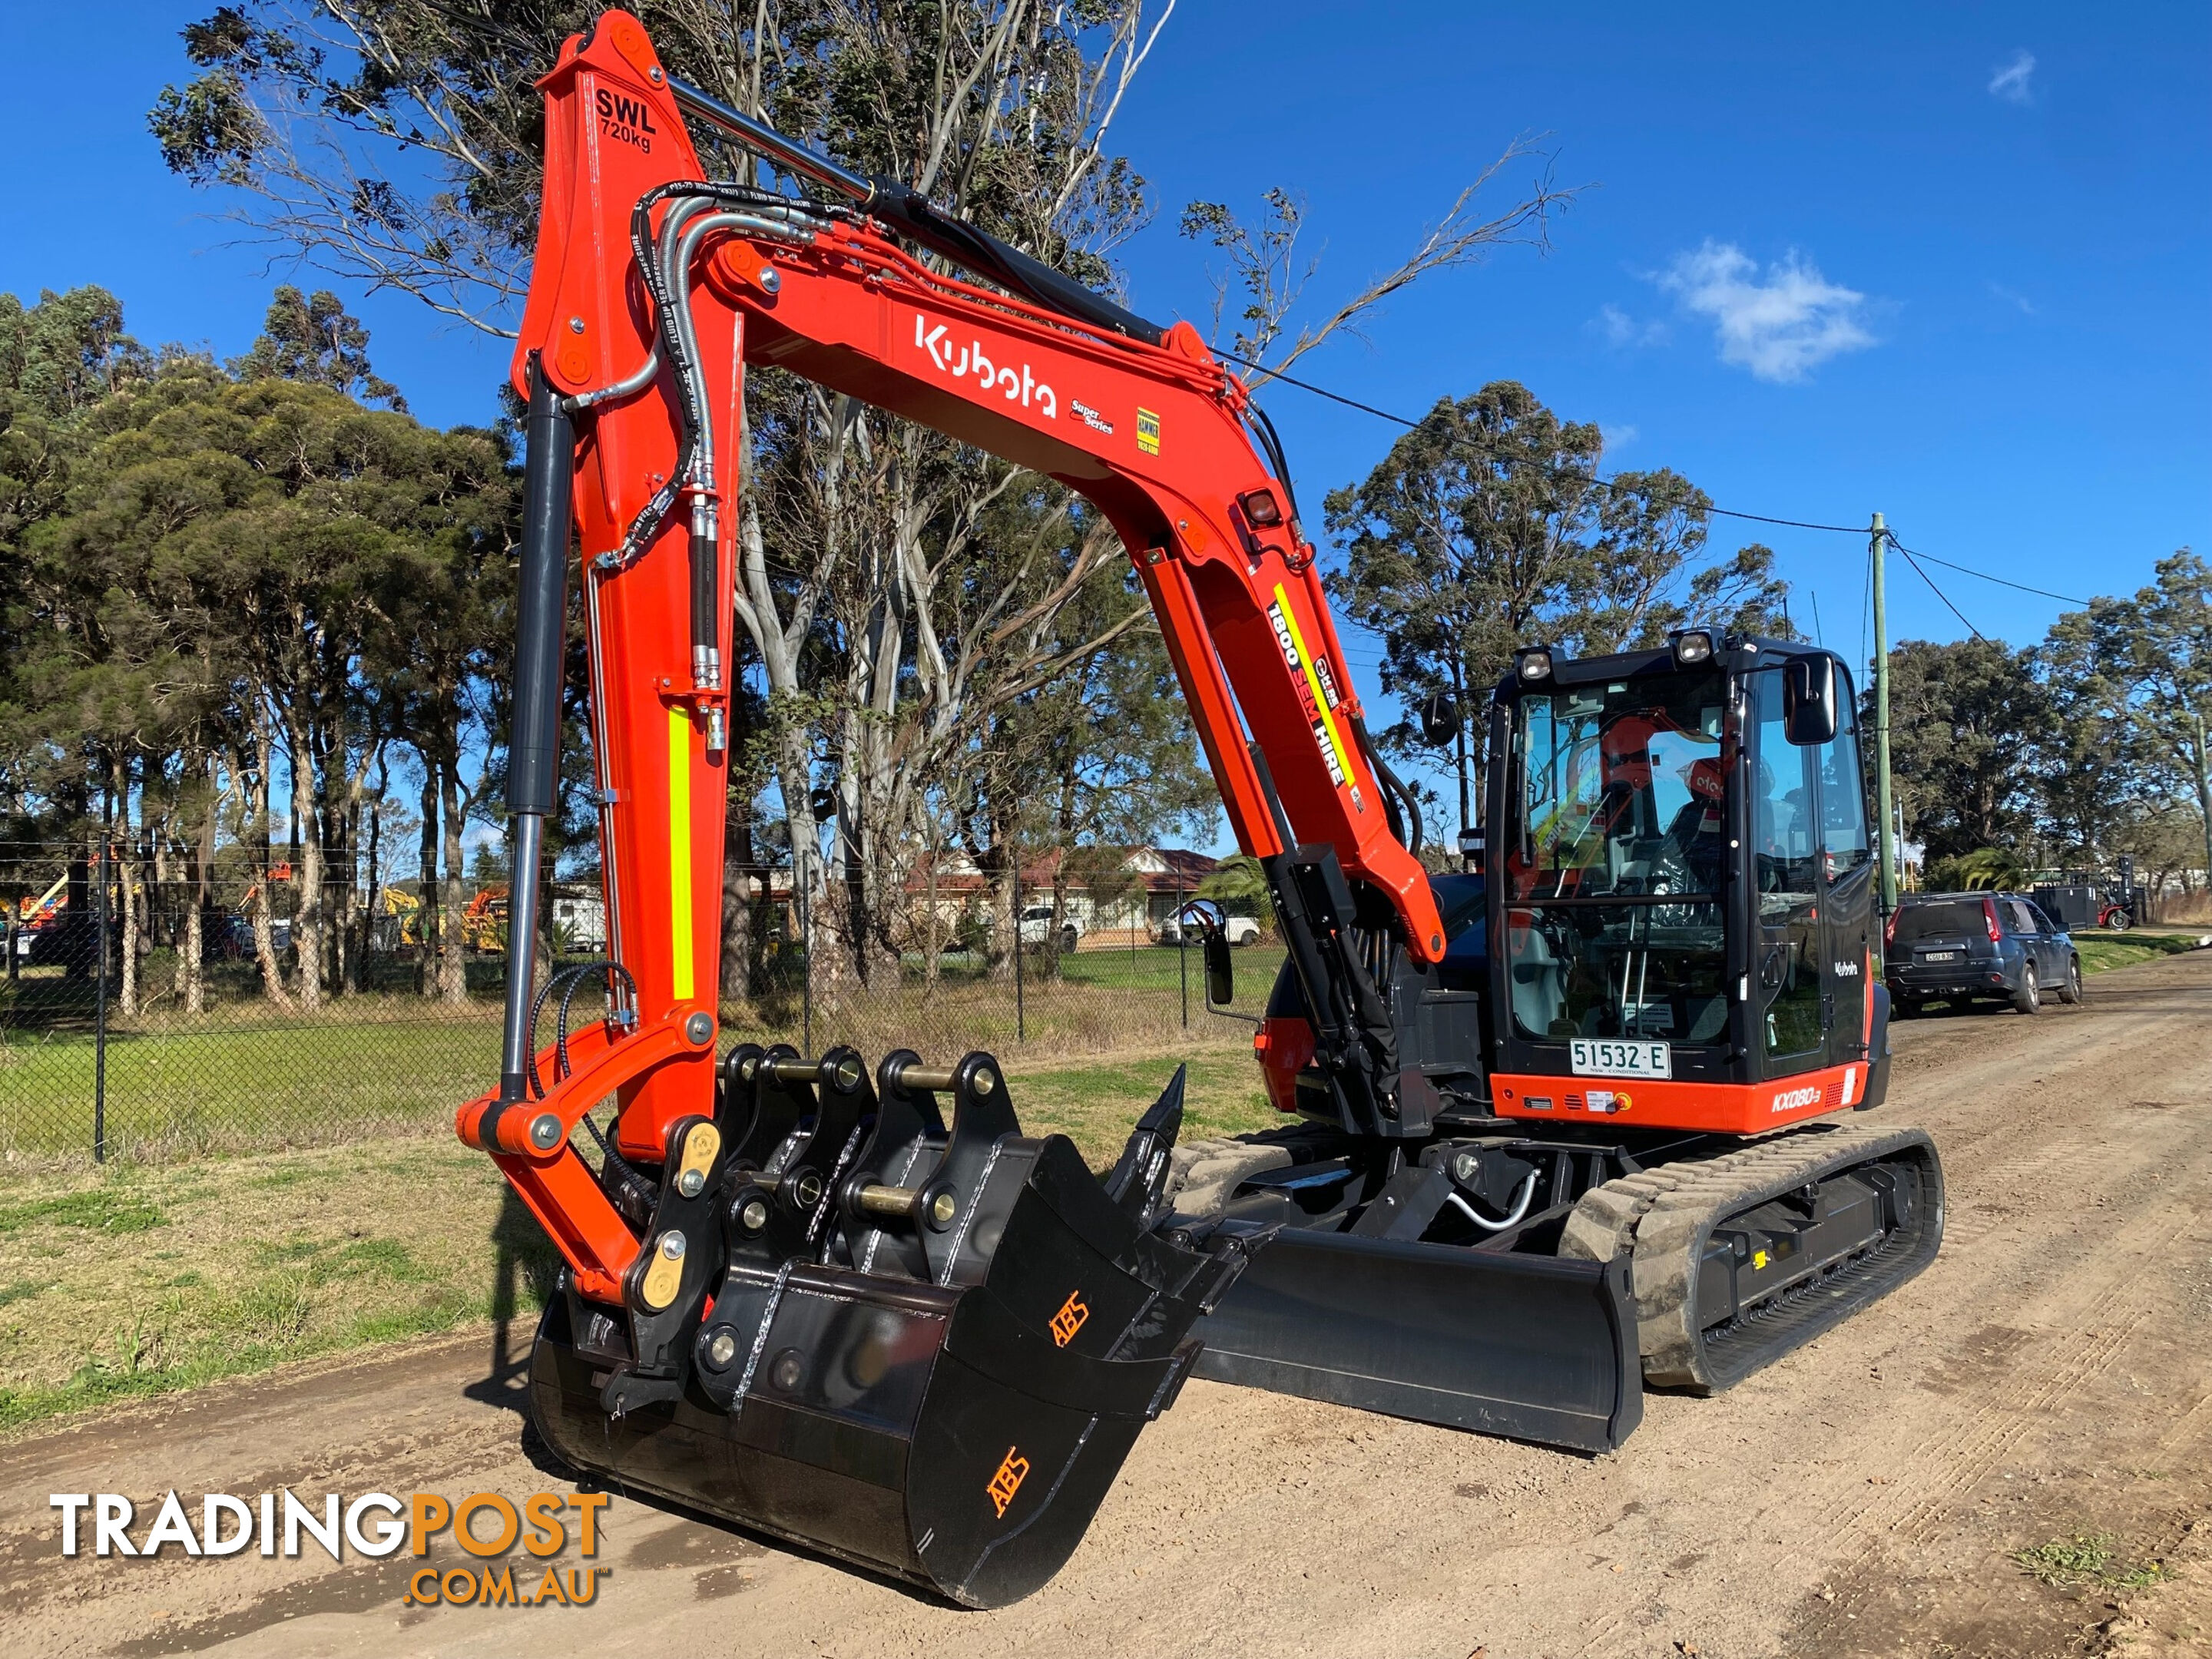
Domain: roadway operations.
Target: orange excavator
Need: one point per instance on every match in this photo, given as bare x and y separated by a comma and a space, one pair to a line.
1557, 1122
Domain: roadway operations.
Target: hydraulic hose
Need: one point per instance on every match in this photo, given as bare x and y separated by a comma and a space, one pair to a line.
1520, 1208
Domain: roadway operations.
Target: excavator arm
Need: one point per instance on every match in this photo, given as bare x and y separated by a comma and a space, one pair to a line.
652, 289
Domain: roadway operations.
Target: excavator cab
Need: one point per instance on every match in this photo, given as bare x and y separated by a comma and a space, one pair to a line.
1684, 886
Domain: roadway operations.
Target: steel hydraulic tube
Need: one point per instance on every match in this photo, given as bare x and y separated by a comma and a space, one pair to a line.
533, 772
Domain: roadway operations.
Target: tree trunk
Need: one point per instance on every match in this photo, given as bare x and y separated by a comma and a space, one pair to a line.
307, 872
374, 878
129, 889
824, 964
194, 966
1001, 867
429, 932
543, 949
737, 898
452, 956
264, 935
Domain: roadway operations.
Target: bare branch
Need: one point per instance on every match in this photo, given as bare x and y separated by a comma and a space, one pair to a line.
1263, 260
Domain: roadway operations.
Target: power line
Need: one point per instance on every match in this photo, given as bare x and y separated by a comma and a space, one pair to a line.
1550, 471
1964, 570
1936, 591
1718, 512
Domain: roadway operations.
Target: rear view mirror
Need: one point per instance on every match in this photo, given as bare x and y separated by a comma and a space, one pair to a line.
1220, 972
1808, 699
1440, 716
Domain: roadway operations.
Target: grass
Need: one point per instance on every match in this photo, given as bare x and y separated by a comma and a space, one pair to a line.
2101, 952
360, 1244
2084, 1558
250, 1079
148, 1279
226, 1090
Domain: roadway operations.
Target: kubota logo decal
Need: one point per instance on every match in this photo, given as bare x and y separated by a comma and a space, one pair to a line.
1013, 1469
1791, 1099
1015, 386
1069, 1319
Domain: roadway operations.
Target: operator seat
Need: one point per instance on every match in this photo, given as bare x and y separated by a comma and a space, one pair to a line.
1538, 979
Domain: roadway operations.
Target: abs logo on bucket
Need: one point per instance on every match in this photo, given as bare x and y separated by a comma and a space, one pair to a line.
1013, 1469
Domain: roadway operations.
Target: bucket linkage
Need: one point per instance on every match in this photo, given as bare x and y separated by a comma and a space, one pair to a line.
927, 1345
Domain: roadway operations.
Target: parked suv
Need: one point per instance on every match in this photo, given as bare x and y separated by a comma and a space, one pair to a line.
1961, 946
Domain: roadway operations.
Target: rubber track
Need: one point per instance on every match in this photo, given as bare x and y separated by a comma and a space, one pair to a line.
1664, 1216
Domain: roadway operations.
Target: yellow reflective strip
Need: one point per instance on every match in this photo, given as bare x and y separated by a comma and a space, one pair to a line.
1321, 701
679, 851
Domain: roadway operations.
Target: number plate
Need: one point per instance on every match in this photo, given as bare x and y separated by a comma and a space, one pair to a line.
1593, 1057
1940, 956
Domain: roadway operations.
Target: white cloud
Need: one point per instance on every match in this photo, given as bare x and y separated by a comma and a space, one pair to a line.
1619, 436
1619, 329
1777, 326
2025, 306
2010, 79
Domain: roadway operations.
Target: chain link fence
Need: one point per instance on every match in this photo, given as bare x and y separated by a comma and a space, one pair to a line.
143, 1017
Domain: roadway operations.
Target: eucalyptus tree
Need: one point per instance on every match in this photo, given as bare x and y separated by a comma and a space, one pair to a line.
2151, 653
1488, 526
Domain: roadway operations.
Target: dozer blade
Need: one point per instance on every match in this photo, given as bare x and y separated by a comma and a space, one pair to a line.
1529, 1347
946, 1398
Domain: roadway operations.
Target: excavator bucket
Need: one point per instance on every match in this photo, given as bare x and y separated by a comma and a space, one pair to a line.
936, 1378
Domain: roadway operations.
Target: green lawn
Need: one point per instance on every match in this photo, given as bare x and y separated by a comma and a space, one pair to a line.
148, 1278
2100, 951
246, 1078
229, 1088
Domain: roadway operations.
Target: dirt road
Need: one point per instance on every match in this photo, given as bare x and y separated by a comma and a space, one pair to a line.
2048, 1379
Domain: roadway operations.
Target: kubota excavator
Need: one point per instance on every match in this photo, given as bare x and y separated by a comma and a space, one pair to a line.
1554, 1123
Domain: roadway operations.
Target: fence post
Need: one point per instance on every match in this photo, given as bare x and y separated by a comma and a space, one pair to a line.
100, 1014
1183, 957
1021, 1017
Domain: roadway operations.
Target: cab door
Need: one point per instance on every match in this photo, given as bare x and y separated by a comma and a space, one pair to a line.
1787, 994
1847, 877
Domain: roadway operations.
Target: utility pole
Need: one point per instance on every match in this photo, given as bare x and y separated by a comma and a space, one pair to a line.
1877, 539
2204, 800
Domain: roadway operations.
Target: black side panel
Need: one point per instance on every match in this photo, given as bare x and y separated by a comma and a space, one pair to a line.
1529, 1347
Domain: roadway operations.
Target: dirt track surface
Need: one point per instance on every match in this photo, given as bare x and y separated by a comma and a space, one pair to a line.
2050, 1375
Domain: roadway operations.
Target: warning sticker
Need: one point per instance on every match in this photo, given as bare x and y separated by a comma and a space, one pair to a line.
1317, 691
1148, 432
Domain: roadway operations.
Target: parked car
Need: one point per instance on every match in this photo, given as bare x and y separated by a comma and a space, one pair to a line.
1961, 947
1241, 930
1036, 928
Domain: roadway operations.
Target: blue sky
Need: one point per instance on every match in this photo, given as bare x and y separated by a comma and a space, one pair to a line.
1946, 262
